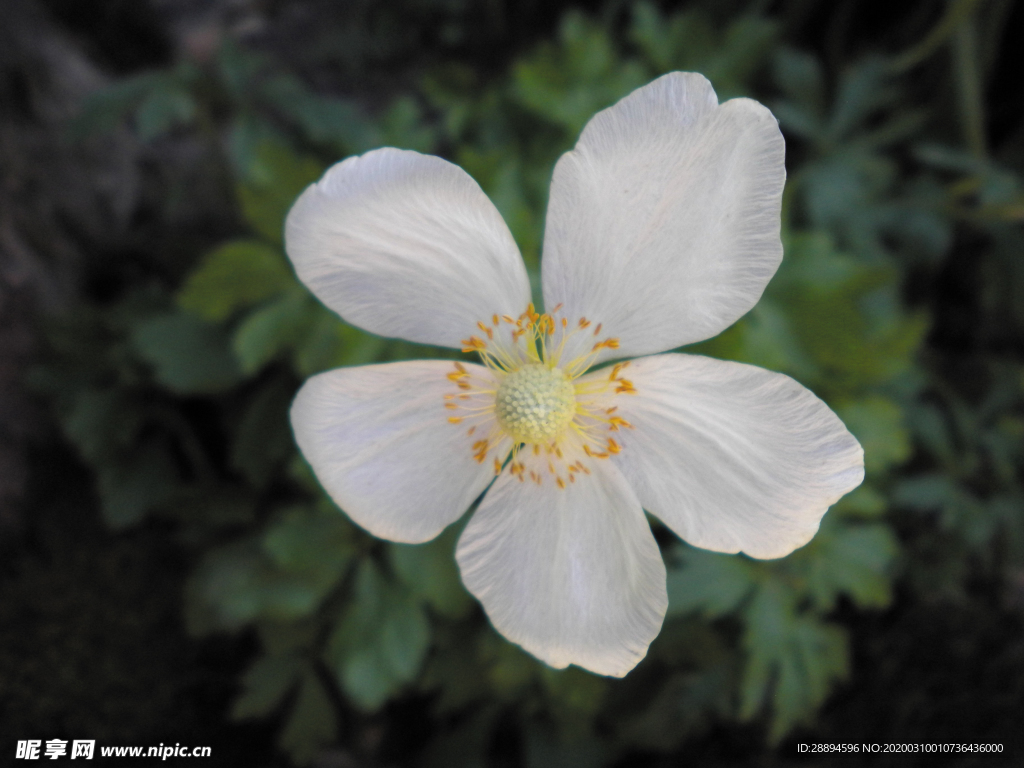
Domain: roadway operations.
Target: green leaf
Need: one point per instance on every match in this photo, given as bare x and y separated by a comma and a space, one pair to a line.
189, 356
863, 502
877, 423
101, 423
567, 83
429, 571
801, 78
710, 583
851, 560
331, 343
338, 123
264, 438
166, 106
275, 176
234, 276
240, 583
103, 110
380, 642
136, 485
794, 656
265, 684
312, 724
269, 330
574, 691
302, 540
403, 126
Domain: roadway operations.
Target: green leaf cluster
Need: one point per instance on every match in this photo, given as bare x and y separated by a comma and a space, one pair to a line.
177, 395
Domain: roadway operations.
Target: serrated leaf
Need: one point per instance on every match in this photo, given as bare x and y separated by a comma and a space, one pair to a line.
568, 82
709, 583
793, 656
312, 724
233, 276
380, 642
189, 356
851, 560
265, 684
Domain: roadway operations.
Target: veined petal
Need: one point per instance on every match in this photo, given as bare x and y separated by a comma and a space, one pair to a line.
572, 574
732, 457
381, 443
663, 221
406, 245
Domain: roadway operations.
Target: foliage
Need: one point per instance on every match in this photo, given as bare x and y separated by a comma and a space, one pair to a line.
177, 396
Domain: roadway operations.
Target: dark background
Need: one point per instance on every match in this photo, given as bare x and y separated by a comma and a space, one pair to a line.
95, 207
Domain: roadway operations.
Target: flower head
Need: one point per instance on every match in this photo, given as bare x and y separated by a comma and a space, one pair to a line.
662, 230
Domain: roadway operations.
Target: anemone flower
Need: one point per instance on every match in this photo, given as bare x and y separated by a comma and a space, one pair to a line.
662, 230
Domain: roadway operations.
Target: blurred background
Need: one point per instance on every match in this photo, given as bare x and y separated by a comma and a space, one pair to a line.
171, 572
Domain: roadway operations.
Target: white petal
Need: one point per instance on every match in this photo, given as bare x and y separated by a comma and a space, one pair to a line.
572, 575
663, 222
733, 457
380, 442
406, 245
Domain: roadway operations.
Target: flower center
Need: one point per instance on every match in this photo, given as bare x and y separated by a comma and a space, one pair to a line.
535, 403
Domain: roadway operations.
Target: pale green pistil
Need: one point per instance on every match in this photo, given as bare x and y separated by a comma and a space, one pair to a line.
535, 403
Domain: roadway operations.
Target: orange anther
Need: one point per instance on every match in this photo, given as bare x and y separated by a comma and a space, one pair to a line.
613, 447
584, 322
494, 319
598, 329
560, 481
455, 419
497, 467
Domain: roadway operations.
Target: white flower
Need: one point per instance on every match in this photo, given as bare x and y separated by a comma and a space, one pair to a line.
662, 230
